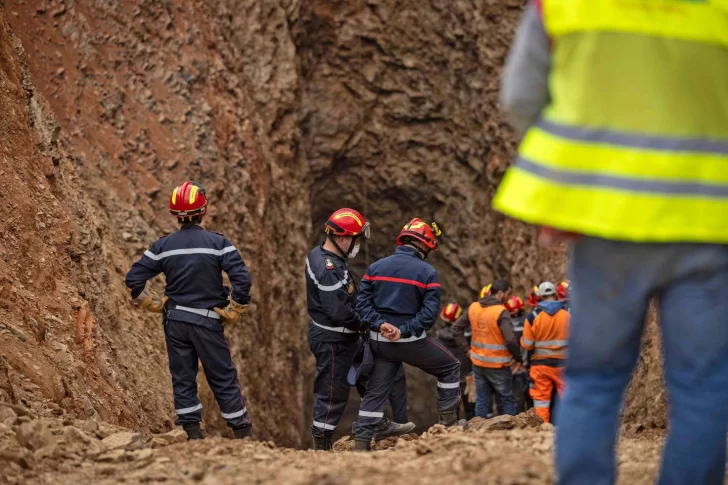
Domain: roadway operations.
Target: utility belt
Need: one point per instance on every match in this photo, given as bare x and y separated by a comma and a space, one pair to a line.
197, 311
332, 329
378, 337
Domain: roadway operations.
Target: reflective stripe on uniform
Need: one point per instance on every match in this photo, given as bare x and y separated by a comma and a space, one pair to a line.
183, 252
198, 311
236, 414
527, 341
188, 410
376, 337
489, 346
448, 385
371, 414
491, 360
551, 343
549, 352
330, 427
339, 284
334, 329
541, 404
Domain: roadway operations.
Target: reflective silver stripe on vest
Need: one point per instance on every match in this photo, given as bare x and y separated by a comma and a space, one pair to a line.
448, 385
321, 287
182, 252
236, 414
330, 427
378, 337
489, 346
490, 360
564, 176
334, 329
541, 404
527, 341
549, 352
552, 343
633, 140
198, 311
188, 410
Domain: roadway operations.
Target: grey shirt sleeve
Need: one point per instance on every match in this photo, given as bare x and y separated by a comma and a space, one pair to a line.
525, 82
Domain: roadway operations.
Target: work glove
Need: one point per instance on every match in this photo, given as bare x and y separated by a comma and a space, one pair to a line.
470, 393
151, 301
231, 313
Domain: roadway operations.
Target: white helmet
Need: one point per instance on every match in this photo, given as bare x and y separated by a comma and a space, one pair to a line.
546, 289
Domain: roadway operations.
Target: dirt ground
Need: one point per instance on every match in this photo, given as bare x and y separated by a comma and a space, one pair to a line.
503, 450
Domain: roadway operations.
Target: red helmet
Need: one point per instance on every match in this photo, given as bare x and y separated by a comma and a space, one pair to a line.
533, 297
485, 291
514, 304
562, 291
347, 222
451, 312
188, 200
419, 230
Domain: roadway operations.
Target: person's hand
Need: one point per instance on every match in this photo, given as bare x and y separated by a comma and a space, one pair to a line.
390, 332
517, 367
231, 313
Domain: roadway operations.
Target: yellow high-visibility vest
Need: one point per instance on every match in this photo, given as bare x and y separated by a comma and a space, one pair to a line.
634, 145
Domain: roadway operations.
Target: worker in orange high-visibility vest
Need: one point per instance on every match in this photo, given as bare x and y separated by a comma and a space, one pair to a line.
547, 339
492, 350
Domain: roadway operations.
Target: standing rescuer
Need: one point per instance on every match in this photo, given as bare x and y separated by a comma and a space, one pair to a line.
492, 349
548, 339
625, 104
450, 314
516, 309
335, 325
400, 300
196, 309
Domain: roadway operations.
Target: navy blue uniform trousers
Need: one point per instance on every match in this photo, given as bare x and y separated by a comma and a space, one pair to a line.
331, 386
186, 343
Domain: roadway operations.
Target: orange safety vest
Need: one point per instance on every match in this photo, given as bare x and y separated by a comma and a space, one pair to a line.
488, 347
548, 336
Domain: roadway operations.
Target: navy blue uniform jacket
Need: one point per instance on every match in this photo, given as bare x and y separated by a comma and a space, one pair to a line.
403, 290
192, 261
331, 296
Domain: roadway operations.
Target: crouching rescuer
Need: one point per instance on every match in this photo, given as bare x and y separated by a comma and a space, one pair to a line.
400, 299
335, 325
196, 309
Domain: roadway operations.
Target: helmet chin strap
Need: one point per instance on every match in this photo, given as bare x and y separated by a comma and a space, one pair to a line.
345, 254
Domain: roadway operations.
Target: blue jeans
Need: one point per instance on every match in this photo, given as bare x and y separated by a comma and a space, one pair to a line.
498, 380
613, 283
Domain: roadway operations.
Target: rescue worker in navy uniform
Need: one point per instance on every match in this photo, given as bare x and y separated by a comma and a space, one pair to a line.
335, 325
197, 309
400, 300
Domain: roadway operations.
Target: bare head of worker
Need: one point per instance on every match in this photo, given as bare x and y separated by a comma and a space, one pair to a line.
547, 291
501, 289
419, 235
189, 203
344, 229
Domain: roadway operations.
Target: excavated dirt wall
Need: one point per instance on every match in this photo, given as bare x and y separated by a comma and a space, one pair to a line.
286, 110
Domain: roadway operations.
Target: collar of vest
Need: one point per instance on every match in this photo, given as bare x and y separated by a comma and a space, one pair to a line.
329, 253
407, 251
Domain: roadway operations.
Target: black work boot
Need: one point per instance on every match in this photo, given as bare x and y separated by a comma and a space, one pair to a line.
388, 429
361, 445
194, 432
447, 418
450, 418
323, 444
242, 433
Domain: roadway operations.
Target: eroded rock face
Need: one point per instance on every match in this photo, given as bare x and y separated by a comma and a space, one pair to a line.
106, 107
